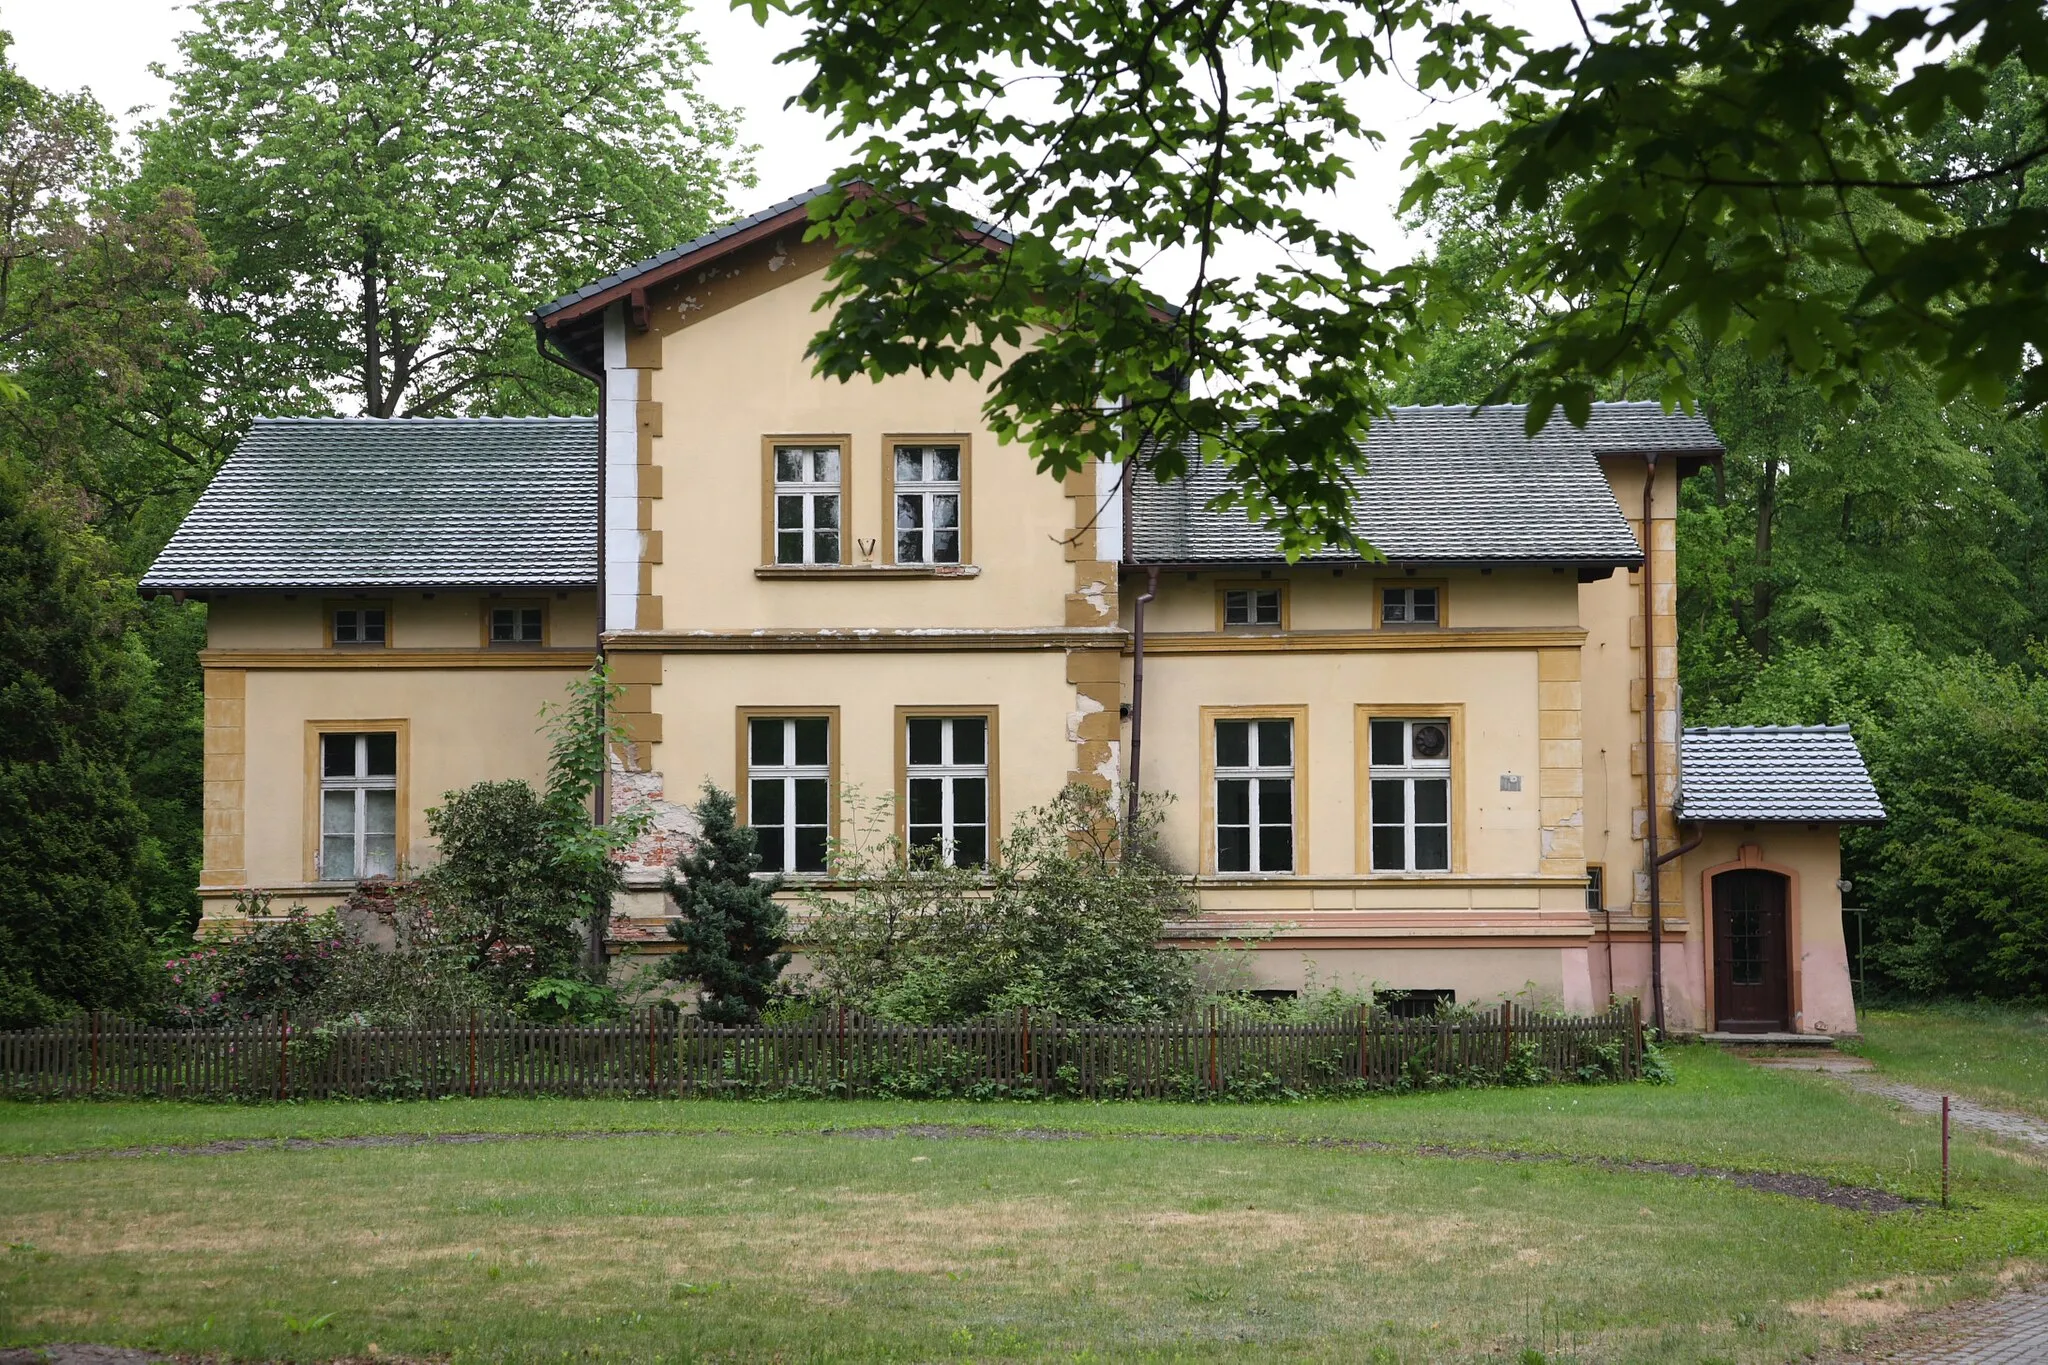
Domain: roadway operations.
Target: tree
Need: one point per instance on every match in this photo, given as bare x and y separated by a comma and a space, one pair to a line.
1696, 159
71, 935
584, 841
391, 184
732, 932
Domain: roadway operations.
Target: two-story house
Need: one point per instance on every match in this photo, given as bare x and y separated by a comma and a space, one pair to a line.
1436, 772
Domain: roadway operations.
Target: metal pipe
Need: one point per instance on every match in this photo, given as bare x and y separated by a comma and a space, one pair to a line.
1651, 861
1138, 695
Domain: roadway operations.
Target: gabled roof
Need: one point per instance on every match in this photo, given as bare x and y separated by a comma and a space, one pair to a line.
310, 503
1774, 772
700, 251
732, 235
1446, 485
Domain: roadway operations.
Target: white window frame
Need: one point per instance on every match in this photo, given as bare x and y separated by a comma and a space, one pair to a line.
809, 492
360, 626
1410, 771
922, 496
1255, 774
358, 784
519, 612
788, 773
1408, 601
949, 772
1251, 604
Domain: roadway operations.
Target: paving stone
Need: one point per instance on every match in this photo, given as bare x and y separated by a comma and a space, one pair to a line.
2012, 1330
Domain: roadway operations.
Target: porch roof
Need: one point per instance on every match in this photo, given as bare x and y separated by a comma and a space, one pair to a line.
1775, 772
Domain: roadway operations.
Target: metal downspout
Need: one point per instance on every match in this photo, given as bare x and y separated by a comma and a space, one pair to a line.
1138, 692
1651, 861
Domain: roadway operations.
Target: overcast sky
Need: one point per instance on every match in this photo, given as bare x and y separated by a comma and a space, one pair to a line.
107, 46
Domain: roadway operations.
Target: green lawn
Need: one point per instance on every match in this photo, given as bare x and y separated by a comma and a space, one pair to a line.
1989, 1053
744, 1231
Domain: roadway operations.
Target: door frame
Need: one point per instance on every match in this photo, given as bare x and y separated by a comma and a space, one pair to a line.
1750, 858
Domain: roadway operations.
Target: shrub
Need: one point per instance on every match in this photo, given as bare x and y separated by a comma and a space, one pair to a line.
502, 888
1068, 921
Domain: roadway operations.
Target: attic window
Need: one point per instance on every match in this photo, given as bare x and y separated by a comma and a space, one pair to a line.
359, 625
1251, 608
1409, 607
518, 623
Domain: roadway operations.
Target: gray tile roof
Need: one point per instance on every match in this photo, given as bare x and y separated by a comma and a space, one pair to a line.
1774, 772
406, 502
1447, 485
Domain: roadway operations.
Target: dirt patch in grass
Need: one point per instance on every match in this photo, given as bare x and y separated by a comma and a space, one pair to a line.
1791, 1184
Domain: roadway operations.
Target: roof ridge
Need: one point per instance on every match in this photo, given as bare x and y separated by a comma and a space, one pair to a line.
1767, 730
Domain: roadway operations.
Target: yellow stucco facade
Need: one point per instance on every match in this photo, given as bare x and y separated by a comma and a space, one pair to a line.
1537, 675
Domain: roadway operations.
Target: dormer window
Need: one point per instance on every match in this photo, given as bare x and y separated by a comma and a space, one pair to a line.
1253, 608
358, 625
1410, 606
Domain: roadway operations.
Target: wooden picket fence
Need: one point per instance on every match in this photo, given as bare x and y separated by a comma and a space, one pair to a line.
836, 1053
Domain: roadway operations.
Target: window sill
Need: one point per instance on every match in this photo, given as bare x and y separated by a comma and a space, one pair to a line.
830, 571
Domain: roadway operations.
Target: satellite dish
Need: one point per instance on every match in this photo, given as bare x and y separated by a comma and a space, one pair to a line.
1432, 741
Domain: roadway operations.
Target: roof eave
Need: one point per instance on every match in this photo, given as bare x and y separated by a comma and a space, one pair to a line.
157, 587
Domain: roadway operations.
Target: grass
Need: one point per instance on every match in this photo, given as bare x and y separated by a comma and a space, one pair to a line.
745, 1231
1993, 1054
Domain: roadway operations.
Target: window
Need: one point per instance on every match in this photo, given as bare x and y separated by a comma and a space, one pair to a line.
927, 487
1411, 795
1255, 795
359, 625
1415, 1004
789, 790
1596, 887
946, 787
807, 504
517, 623
358, 807
1410, 607
1252, 608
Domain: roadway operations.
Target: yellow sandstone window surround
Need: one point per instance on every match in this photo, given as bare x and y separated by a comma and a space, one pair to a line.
1412, 602
1257, 605
947, 772
927, 492
356, 799
804, 500
1254, 781
1410, 777
511, 623
789, 782
357, 624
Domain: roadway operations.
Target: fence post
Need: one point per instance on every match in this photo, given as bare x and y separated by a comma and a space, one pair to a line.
1365, 1043
1215, 1075
284, 1033
1024, 1019
93, 1075
1636, 1008
1507, 1035
472, 1054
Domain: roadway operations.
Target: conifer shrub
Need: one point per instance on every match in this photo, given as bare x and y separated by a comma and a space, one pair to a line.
732, 933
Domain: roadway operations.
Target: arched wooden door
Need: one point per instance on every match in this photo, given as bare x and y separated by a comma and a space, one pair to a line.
1752, 953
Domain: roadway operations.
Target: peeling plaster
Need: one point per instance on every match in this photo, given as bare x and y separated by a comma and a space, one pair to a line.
1110, 770
1096, 595
1084, 706
671, 828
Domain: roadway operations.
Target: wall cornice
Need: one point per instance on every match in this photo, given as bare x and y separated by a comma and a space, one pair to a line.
856, 641
1362, 641
356, 659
